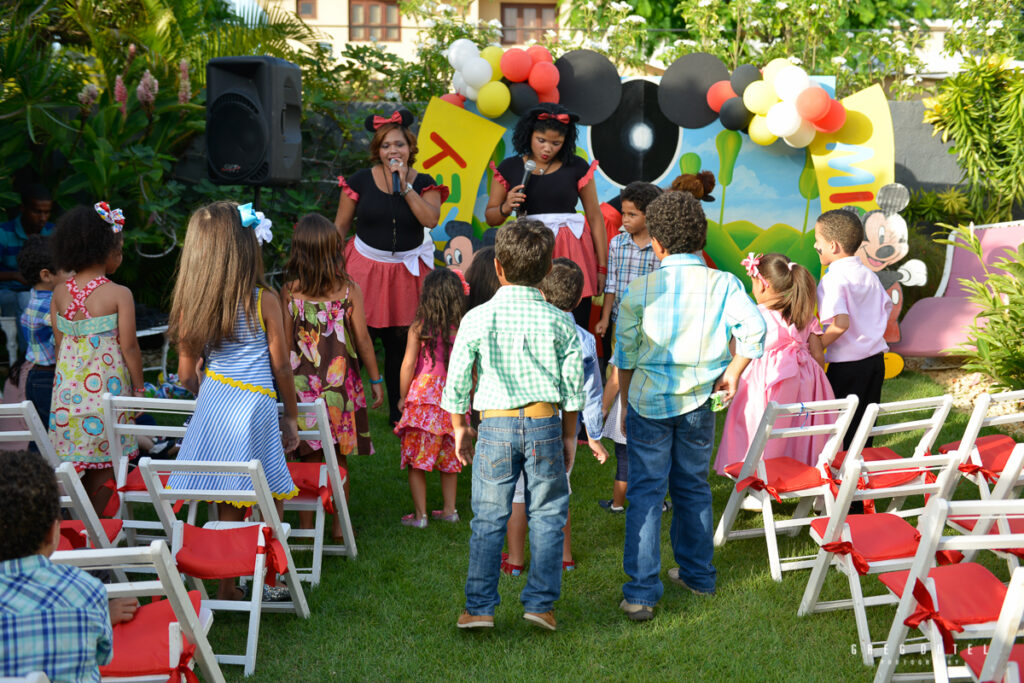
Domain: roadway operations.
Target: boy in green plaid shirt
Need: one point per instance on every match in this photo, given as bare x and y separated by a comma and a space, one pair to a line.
529, 364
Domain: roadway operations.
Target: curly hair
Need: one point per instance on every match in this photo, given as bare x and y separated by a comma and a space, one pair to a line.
524, 247
440, 310
699, 185
641, 194
795, 286
677, 221
83, 239
29, 503
563, 286
842, 226
34, 257
316, 261
528, 124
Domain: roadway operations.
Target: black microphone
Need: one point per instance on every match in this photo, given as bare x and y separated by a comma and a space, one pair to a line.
396, 181
527, 171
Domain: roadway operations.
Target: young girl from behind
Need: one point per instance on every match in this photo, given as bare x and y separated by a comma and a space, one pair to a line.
98, 352
325, 324
791, 369
425, 429
223, 309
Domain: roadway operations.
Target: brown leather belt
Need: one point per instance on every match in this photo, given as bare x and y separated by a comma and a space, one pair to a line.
539, 409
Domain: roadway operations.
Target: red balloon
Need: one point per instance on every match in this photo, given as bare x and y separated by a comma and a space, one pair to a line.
516, 65
833, 120
539, 53
549, 96
718, 93
544, 77
813, 103
455, 98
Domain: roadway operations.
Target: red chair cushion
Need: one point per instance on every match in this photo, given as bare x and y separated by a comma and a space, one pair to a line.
877, 537
306, 476
879, 480
974, 657
785, 474
870, 454
1016, 527
994, 450
134, 481
74, 529
967, 592
141, 645
218, 553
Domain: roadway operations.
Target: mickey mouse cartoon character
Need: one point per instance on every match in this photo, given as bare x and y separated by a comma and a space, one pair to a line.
885, 243
462, 244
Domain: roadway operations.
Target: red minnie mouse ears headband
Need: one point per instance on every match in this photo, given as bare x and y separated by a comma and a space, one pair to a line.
402, 117
563, 117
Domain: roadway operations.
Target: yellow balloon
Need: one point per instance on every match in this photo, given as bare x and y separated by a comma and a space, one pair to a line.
493, 99
758, 130
759, 97
493, 53
773, 68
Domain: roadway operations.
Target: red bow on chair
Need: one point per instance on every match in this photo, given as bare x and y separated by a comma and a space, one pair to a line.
926, 610
379, 121
326, 499
970, 468
758, 485
277, 561
183, 669
846, 548
561, 118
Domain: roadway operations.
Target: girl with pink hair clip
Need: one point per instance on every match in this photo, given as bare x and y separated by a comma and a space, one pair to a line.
791, 369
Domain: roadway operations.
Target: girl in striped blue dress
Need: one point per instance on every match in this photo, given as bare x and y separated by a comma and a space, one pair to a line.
222, 311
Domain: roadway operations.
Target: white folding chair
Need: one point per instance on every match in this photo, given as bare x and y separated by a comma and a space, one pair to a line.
785, 478
222, 550
166, 637
960, 601
19, 422
87, 529
1001, 659
321, 491
860, 544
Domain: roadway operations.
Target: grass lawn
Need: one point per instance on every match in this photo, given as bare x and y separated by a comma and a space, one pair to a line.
390, 614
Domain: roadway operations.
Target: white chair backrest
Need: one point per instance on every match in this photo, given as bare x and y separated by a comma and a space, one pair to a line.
116, 406
74, 498
20, 422
928, 426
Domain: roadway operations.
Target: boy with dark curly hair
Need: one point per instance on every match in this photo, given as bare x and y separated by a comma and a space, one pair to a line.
672, 351
35, 262
53, 618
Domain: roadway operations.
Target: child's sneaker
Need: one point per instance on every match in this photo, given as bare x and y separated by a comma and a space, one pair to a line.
510, 569
412, 520
606, 503
439, 515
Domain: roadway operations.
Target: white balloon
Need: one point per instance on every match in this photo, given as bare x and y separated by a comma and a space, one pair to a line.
460, 51
783, 120
476, 72
790, 82
802, 137
459, 83
471, 93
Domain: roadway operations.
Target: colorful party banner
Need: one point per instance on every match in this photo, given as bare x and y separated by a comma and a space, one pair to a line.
854, 163
454, 147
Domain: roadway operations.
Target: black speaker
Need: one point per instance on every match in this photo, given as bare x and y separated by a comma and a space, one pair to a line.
253, 116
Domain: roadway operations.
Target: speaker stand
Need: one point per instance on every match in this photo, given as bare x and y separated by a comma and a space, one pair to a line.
256, 198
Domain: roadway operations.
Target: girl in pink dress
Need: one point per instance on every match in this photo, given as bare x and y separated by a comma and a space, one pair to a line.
425, 429
791, 369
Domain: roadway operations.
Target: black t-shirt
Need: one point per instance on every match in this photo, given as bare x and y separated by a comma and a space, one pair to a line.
384, 220
555, 192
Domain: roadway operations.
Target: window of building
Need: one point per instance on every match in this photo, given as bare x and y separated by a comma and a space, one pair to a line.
525, 22
374, 20
306, 8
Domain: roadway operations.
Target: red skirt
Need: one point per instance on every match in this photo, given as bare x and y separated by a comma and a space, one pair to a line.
390, 291
581, 251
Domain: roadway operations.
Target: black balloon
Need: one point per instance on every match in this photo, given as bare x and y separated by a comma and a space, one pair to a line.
682, 95
523, 99
744, 75
734, 115
588, 85
637, 142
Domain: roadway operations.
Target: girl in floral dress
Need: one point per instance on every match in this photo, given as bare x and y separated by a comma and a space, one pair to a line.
425, 429
98, 352
325, 321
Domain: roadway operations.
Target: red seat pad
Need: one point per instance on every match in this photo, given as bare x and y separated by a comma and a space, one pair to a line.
140, 645
967, 592
974, 657
1016, 527
879, 536
134, 481
994, 450
73, 528
785, 474
218, 553
879, 480
870, 454
64, 544
306, 476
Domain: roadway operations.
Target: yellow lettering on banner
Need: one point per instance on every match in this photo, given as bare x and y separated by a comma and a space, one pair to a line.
853, 163
455, 146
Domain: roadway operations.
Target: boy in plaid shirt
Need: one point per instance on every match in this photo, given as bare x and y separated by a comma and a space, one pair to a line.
36, 266
529, 363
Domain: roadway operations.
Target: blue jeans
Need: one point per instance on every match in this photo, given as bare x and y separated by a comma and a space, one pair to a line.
674, 454
38, 389
506, 446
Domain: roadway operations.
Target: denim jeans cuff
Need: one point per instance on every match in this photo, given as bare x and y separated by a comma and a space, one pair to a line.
638, 601
481, 611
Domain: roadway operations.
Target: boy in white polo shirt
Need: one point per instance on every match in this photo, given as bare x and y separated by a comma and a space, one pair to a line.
854, 306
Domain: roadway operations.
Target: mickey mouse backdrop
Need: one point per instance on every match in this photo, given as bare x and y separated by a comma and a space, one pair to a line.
696, 116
